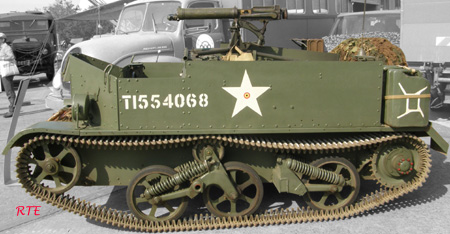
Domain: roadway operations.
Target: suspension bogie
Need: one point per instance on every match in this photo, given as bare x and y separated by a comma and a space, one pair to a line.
163, 173
164, 176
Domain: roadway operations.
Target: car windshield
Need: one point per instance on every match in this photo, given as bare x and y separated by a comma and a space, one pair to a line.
23, 25
373, 23
149, 18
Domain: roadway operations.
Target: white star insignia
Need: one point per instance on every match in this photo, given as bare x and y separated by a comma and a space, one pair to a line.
246, 95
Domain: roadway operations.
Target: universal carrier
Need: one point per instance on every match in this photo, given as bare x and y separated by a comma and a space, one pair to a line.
225, 121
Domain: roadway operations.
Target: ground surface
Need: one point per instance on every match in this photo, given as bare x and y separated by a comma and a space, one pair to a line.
424, 211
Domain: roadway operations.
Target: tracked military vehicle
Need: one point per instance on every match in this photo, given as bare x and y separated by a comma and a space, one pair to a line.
225, 121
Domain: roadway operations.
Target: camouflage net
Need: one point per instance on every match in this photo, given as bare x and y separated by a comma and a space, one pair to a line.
334, 40
380, 48
63, 115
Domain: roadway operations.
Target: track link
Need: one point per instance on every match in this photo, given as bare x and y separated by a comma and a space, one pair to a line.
201, 222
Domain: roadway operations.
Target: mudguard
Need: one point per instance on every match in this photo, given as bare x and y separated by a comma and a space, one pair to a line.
437, 142
66, 128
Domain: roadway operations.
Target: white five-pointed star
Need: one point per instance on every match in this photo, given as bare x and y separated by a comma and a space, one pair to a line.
246, 95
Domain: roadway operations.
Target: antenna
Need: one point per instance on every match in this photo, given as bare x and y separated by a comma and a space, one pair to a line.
98, 4
98, 21
361, 49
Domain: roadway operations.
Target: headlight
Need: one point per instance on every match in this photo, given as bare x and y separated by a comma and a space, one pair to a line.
45, 52
80, 106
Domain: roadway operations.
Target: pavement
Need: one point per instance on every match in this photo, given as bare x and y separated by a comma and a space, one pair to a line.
426, 210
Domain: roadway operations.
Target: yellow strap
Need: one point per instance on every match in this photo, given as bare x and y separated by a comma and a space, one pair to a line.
408, 68
391, 97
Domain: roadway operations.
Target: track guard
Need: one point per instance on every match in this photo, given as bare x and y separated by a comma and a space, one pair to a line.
51, 127
437, 142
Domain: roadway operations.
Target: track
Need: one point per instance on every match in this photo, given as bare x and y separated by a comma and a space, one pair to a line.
202, 222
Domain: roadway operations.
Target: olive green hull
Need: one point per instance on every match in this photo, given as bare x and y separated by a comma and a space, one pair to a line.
313, 93
300, 99
245, 97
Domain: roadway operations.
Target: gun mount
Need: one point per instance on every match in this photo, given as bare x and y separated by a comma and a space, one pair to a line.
241, 19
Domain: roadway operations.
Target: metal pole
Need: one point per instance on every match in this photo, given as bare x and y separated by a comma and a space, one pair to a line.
23, 86
364, 17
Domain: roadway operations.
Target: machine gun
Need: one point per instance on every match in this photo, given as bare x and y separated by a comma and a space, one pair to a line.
240, 18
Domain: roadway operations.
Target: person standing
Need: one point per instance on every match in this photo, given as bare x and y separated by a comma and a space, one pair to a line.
6, 54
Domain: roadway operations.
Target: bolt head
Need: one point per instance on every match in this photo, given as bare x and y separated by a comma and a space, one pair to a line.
333, 189
50, 168
157, 200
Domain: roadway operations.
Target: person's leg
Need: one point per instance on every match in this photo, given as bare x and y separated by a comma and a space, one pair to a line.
9, 89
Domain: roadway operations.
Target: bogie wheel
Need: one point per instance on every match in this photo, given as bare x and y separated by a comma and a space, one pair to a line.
146, 208
55, 167
343, 196
250, 189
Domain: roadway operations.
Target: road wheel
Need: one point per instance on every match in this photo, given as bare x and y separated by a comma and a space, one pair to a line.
250, 189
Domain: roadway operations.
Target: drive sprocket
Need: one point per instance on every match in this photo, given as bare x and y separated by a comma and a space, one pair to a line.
394, 165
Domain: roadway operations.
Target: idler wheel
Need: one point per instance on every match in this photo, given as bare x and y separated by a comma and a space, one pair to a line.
149, 208
395, 165
343, 195
250, 189
55, 167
